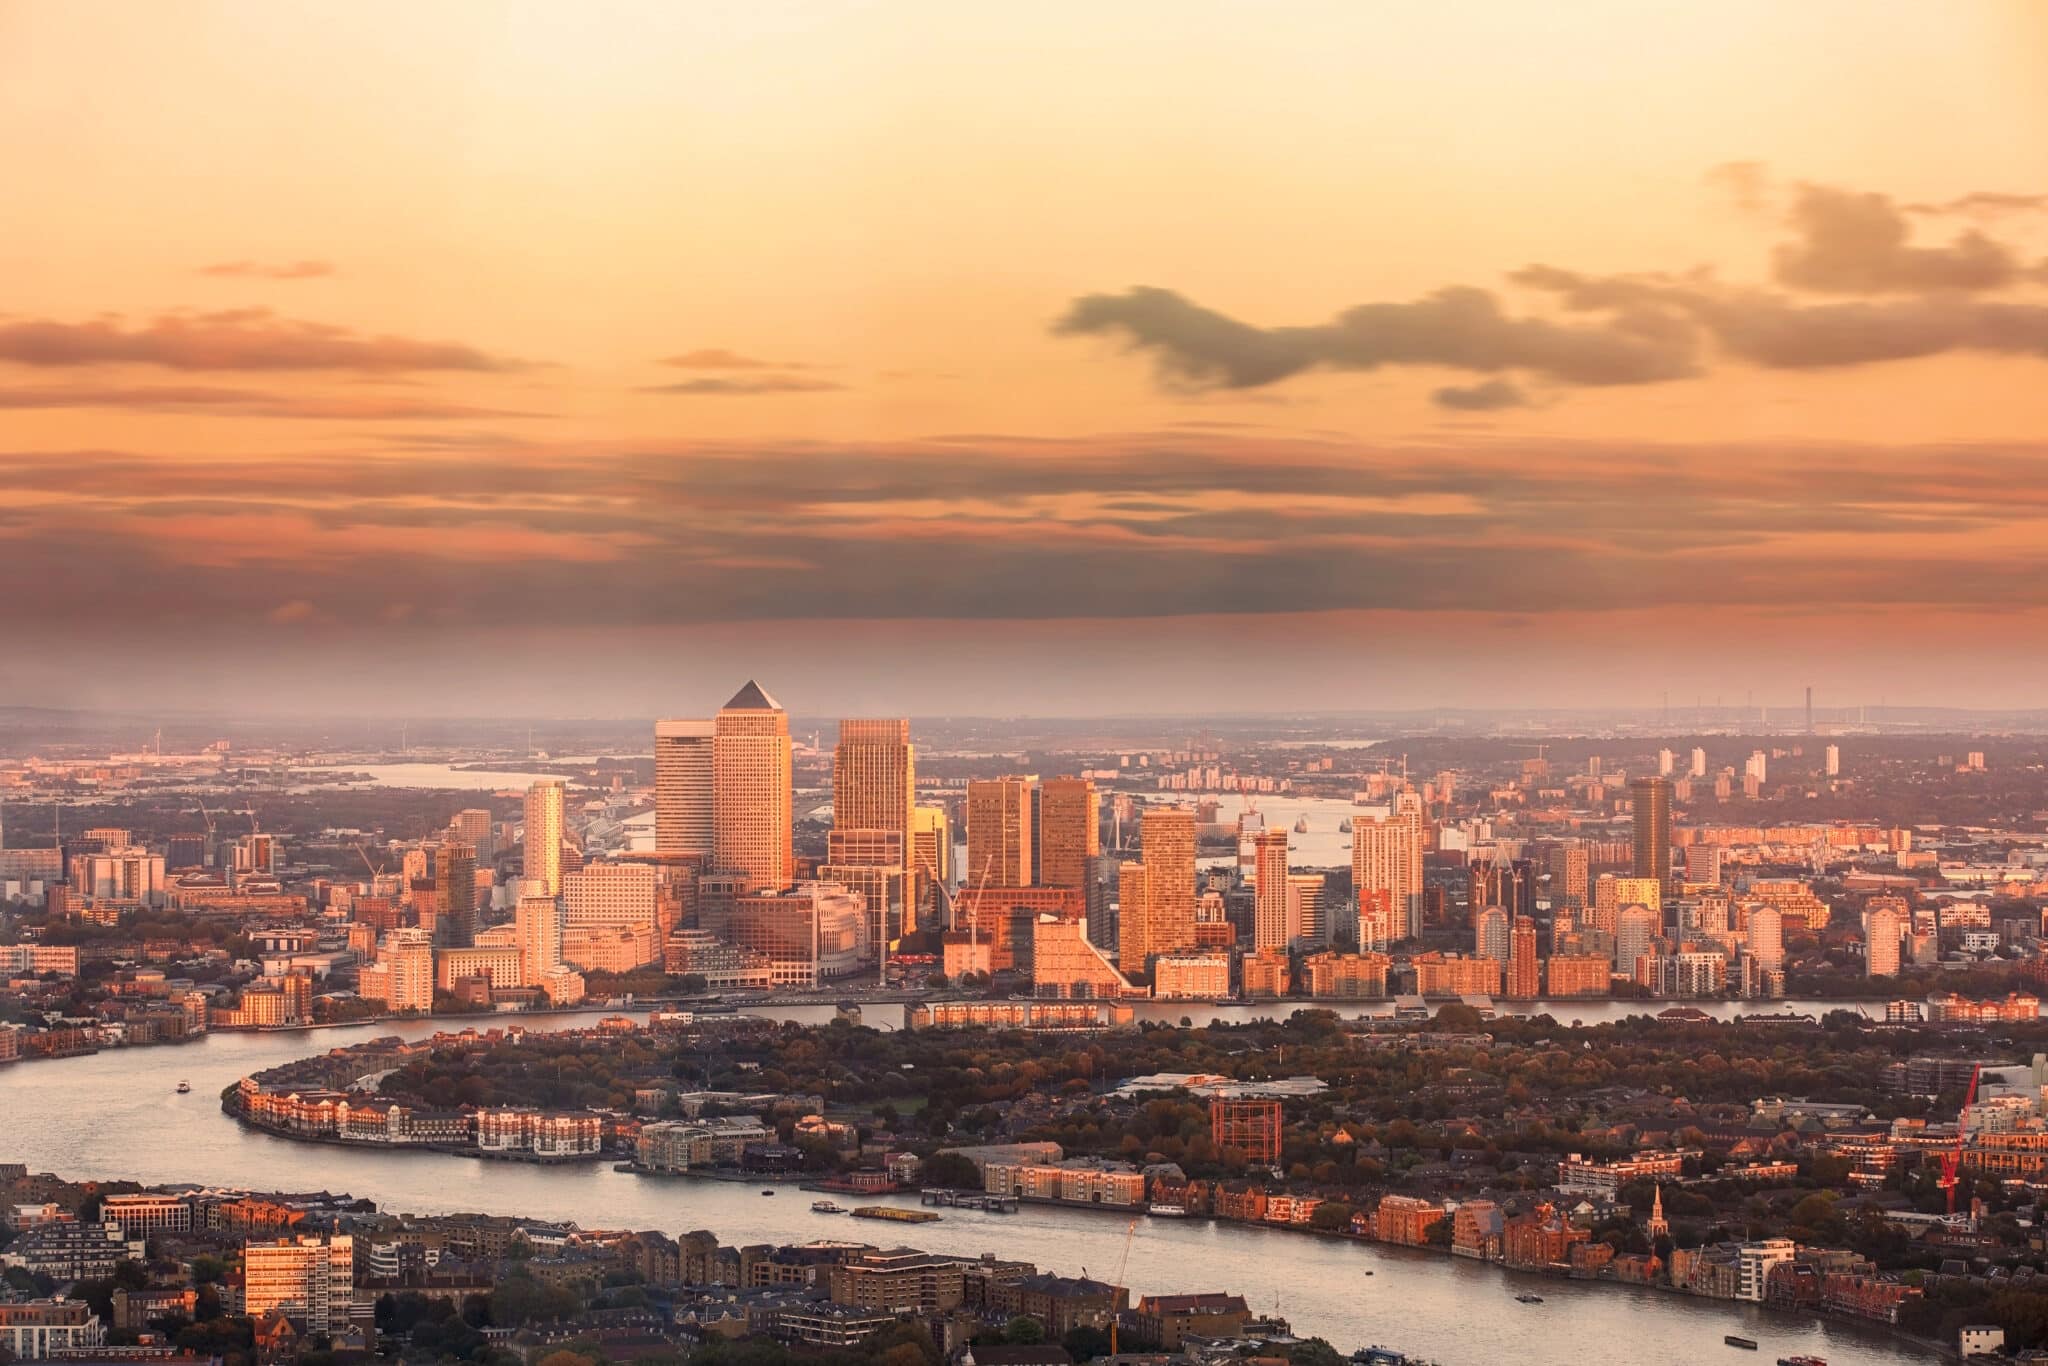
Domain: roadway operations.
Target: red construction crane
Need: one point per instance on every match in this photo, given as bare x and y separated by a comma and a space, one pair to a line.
1952, 1158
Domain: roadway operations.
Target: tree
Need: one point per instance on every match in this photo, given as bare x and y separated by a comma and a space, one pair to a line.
1023, 1331
1084, 1343
951, 1171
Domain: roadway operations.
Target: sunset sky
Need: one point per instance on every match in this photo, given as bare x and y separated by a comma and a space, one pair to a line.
586, 359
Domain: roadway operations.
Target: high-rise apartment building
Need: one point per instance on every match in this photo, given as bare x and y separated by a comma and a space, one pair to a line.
1524, 980
1069, 831
685, 820
543, 837
455, 872
1571, 867
931, 861
1308, 921
1699, 763
403, 975
1270, 929
537, 933
311, 1277
1492, 934
1883, 928
1766, 940
1386, 856
998, 832
1156, 913
751, 758
1834, 761
1652, 801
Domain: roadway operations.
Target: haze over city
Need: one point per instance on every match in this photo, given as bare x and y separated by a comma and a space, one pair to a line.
567, 360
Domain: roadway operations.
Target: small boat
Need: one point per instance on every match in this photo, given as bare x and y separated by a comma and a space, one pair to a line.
1802, 1360
827, 1207
1528, 1299
768, 1192
1747, 1344
184, 1088
1168, 1211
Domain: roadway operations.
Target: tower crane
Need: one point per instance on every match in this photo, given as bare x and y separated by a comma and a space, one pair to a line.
1952, 1158
1122, 1264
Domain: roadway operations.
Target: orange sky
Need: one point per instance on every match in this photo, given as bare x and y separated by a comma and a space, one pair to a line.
344, 332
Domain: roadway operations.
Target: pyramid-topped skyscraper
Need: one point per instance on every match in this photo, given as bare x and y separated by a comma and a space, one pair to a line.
751, 790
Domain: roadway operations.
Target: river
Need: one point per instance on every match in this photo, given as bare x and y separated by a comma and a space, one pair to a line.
116, 1115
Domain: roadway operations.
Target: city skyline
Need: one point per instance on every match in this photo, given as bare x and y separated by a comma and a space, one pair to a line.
1362, 339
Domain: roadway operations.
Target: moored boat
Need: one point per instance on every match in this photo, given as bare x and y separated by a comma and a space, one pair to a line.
1747, 1344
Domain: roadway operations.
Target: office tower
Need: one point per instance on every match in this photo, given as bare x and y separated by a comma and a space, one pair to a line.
1666, 762
1524, 981
609, 895
1883, 927
1270, 929
998, 832
1699, 763
751, 798
1134, 948
1386, 856
543, 837
1834, 761
1767, 937
1635, 933
1492, 934
1652, 798
310, 1277
537, 933
684, 811
1308, 924
1757, 767
931, 859
455, 873
874, 777
1069, 831
871, 863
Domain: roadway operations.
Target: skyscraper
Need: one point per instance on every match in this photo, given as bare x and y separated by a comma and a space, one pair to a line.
310, 1276
931, 860
1834, 761
1492, 934
1883, 927
455, 871
1524, 980
998, 832
537, 930
1652, 798
1069, 831
543, 837
753, 822
1269, 906
874, 777
1386, 856
1156, 910
684, 809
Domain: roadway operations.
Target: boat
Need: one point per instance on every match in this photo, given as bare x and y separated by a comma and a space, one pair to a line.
895, 1213
1747, 1344
1528, 1299
1802, 1360
1168, 1211
767, 1192
184, 1088
827, 1207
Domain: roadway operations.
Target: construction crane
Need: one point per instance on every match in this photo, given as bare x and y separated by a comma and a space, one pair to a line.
375, 871
1123, 1264
1952, 1158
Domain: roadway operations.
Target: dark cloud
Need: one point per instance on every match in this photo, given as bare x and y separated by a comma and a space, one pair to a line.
1854, 243
1775, 331
718, 358
251, 339
286, 270
1458, 327
1166, 524
1984, 203
197, 398
765, 384
1484, 397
